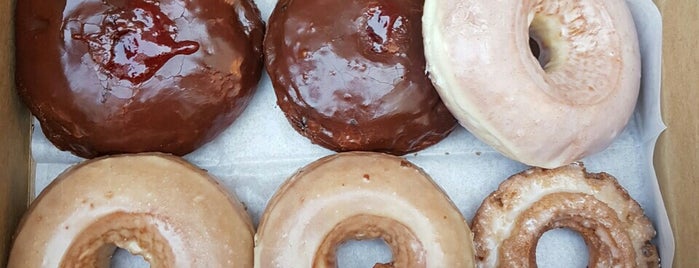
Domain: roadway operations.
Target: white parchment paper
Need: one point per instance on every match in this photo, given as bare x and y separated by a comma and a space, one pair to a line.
260, 150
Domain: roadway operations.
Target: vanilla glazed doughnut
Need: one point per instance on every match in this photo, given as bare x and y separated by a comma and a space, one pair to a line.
154, 205
362, 195
479, 58
509, 223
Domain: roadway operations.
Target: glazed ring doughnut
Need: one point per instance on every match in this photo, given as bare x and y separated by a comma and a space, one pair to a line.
511, 220
479, 58
154, 205
362, 195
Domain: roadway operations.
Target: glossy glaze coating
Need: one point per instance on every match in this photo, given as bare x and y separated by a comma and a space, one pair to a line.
120, 76
509, 223
362, 195
570, 103
349, 75
158, 206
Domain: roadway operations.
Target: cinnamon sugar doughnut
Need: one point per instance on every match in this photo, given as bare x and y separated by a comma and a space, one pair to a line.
478, 56
511, 220
361, 195
154, 205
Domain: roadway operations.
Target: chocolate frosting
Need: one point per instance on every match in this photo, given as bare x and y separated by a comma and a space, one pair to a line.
125, 76
350, 74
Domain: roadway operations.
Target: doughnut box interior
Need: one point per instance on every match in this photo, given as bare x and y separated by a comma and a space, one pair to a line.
655, 158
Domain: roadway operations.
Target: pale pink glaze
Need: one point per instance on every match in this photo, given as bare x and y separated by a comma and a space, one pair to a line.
479, 59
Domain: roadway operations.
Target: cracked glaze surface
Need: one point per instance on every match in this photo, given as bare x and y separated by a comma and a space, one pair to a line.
120, 76
510, 221
479, 59
352, 76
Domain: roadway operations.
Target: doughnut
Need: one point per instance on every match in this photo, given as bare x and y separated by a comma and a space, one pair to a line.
158, 206
510, 221
352, 77
570, 102
362, 195
108, 76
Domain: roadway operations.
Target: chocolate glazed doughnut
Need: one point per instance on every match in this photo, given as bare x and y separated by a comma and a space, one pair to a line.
119, 76
352, 77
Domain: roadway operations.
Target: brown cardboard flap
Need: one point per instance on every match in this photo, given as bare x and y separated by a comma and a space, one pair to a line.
677, 152
14, 139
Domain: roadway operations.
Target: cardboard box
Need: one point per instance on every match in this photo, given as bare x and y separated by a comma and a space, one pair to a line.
676, 159
677, 152
15, 164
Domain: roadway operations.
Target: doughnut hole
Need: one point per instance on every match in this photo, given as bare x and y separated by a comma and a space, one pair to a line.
561, 248
406, 249
604, 234
576, 46
535, 48
363, 253
139, 234
124, 259
544, 43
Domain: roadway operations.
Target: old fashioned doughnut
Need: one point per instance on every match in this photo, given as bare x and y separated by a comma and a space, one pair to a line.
154, 205
362, 195
511, 220
109, 76
350, 74
570, 102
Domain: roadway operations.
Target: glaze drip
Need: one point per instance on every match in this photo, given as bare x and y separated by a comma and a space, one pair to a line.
135, 41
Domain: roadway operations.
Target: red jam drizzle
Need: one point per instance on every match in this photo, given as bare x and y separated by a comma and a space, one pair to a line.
135, 41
